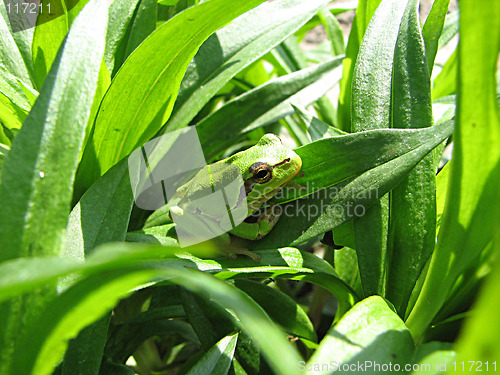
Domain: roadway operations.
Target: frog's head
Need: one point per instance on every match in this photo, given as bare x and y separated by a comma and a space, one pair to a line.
266, 167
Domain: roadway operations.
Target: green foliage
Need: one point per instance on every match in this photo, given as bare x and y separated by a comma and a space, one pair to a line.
380, 252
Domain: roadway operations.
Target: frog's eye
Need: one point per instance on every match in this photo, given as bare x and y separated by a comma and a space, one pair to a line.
261, 172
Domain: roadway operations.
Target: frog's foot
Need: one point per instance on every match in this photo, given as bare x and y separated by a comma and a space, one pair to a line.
232, 252
230, 247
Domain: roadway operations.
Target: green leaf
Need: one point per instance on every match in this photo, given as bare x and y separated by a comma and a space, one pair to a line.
50, 31
11, 118
316, 128
264, 104
45, 339
84, 354
196, 315
233, 48
37, 177
280, 307
11, 59
102, 215
333, 32
294, 59
450, 28
364, 13
441, 193
121, 15
329, 161
477, 344
145, 88
371, 109
412, 230
253, 320
127, 337
22, 38
143, 25
218, 359
469, 219
433, 358
371, 332
445, 83
92, 296
433, 28
4, 151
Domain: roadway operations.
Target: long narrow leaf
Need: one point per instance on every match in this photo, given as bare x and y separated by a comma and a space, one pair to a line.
38, 174
142, 94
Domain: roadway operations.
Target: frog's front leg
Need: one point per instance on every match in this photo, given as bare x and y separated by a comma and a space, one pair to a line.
259, 223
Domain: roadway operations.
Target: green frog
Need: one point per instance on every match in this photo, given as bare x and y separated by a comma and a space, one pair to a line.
265, 169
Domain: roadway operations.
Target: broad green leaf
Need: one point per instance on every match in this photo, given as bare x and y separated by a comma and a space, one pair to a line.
265, 104
37, 177
145, 88
412, 229
121, 14
50, 31
213, 322
364, 13
324, 210
433, 28
371, 332
470, 219
280, 307
233, 48
253, 320
89, 299
371, 109
218, 359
